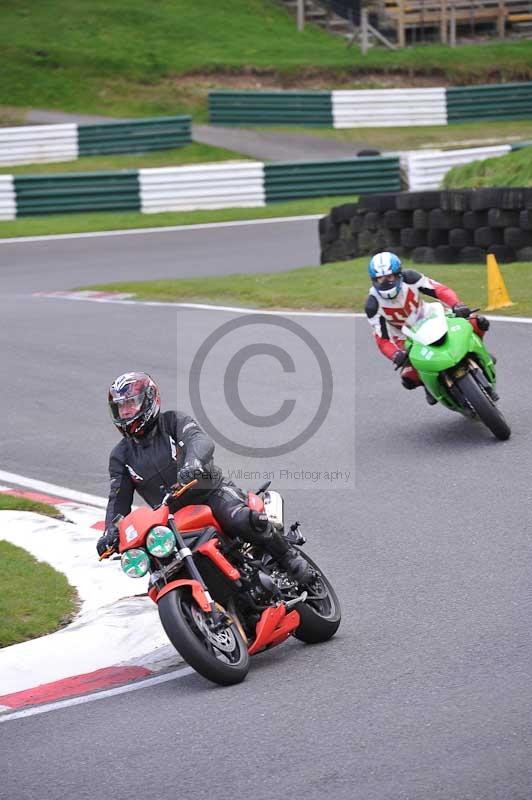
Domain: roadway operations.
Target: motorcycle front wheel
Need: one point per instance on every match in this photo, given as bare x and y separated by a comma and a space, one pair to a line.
221, 655
320, 613
484, 407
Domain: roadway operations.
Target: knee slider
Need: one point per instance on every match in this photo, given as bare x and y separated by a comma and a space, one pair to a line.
258, 521
408, 383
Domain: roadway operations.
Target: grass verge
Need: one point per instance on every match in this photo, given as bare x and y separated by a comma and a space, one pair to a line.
194, 153
341, 286
514, 169
130, 57
46, 601
467, 134
109, 221
9, 502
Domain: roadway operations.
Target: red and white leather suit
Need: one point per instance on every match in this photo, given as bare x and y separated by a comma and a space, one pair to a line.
387, 316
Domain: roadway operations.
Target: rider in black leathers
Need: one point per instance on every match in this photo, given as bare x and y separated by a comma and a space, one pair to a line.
161, 450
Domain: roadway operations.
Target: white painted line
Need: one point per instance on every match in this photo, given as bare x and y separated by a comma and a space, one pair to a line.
287, 313
54, 237
235, 309
78, 701
522, 320
198, 306
52, 488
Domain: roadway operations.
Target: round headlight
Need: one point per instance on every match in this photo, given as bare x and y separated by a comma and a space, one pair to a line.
135, 563
160, 541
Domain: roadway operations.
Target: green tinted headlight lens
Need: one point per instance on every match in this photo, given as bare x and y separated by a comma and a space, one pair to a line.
135, 563
160, 541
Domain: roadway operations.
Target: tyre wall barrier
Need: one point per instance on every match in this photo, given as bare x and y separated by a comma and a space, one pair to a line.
221, 185
40, 143
373, 108
455, 226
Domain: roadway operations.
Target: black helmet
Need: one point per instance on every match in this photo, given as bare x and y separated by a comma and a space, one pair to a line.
134, 403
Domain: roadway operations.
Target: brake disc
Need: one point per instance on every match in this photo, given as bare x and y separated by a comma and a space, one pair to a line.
223, 639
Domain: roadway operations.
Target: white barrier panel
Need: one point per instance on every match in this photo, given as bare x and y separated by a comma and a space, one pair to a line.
38, 143
427, 169
8, 203
225, 185
389, 108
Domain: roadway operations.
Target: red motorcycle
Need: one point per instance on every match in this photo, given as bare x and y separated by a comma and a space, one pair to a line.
221, 600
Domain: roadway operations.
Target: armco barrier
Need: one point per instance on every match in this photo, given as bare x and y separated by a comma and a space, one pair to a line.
161, 133
230, 183
221, 185
427, 168
59, 194
373, 108
455, 226
33, 144
8, 205
39, 143
289, 181
491, 102
270, 108
389, 108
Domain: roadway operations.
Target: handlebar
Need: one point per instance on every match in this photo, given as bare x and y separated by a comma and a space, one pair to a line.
173, 494
178, 492
108, 553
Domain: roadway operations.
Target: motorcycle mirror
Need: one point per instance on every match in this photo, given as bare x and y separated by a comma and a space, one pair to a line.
263, 487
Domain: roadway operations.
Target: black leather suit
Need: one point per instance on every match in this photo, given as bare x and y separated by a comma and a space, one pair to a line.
149, 466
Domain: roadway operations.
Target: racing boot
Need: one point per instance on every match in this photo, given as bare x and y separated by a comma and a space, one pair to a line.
431, 400
295, 565
278, 548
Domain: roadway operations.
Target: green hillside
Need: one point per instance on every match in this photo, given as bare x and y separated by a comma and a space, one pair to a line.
141, 57
514, 169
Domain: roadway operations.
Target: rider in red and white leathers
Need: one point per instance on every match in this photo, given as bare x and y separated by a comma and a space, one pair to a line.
396, 298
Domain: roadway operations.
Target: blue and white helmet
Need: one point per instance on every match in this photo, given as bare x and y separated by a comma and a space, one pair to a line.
386, 275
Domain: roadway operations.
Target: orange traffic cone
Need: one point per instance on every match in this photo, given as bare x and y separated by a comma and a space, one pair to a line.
498, 296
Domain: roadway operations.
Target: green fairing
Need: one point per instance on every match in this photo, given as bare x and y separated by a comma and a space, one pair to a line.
431, 360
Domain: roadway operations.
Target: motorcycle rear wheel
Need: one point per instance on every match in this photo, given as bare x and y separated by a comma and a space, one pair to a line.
222, 657
320, 614
484, 407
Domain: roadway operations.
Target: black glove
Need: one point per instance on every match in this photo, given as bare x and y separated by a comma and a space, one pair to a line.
192, 470
461, 310
400, 358
107, 541
483, 323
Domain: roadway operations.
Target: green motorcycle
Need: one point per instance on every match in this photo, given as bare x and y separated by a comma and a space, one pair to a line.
454, 366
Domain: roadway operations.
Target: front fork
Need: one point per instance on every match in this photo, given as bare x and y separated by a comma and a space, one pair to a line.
219, 619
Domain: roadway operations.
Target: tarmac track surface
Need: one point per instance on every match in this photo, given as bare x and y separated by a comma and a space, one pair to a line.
425, 691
